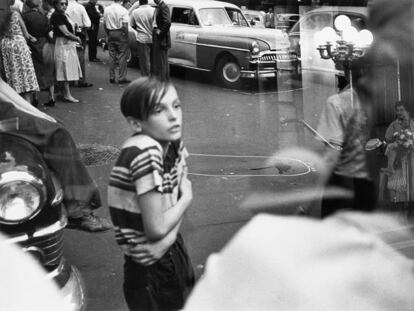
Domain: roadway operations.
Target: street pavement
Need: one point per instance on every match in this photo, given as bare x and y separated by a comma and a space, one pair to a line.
230, 135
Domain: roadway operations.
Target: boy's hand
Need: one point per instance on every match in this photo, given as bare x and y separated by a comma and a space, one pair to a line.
148, 253
186, 189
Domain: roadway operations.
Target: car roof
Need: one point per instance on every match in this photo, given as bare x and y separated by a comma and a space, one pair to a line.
342, 9
253, 12
199, 4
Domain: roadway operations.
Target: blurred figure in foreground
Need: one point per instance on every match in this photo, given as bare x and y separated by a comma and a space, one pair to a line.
343, 124
24, 284
346, 262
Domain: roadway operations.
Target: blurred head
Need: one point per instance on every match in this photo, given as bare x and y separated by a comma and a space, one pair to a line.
60, 5
401, 111
33, 3
47, 5
153, 108
157, 2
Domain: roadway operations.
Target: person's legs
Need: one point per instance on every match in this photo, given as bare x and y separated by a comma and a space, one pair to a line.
155, 62
81, 55
113, 58
93, 43
144, 55
123, 60
59, 151
164, 66
66, 93
172, 277
138, 294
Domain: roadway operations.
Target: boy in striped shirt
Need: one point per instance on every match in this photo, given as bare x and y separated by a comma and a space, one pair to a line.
148, 194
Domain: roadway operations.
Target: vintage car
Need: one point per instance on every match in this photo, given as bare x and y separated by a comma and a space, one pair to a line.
215, 36
32, 214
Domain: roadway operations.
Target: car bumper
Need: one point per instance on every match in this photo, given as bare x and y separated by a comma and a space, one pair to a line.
277, 68
73, 290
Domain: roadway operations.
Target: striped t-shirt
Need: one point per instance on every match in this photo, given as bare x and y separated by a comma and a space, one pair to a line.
140, 168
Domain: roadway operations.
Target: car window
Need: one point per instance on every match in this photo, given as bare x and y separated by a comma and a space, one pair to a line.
214, 16
316, 22
184, 16
237, 17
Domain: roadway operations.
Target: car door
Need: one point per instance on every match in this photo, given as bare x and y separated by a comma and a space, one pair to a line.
184, 33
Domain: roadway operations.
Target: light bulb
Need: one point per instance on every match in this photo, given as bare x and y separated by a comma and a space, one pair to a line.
364, 38
342, 22
329, 34
350, 34
319, 38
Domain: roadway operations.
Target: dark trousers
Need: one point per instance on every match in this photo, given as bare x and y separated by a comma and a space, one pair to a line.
364, 199
93, 42
163, 286
159, 67
144, 57
60, 154
81, 55
118, 53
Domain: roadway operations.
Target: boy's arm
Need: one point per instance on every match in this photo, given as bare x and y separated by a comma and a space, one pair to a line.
147, 254
159, 221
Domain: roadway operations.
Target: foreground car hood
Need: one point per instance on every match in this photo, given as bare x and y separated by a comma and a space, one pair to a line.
275, 38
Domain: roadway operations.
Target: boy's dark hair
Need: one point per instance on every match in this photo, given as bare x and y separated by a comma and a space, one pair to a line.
141, 97
143, 2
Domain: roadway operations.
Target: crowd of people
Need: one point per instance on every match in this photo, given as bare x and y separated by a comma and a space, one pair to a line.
45, 44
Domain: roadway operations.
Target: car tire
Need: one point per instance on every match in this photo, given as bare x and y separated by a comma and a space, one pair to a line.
228, 72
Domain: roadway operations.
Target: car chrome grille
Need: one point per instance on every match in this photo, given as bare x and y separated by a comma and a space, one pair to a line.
48, 249
274, 57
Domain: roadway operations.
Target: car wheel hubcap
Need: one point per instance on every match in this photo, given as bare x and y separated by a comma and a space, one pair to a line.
231, 72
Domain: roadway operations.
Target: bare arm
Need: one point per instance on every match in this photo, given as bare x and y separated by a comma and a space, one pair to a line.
146, 254
68, 34
158, 221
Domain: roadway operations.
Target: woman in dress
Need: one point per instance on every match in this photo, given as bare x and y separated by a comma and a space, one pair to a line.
400, 157
17, 61
38, 26
67, 65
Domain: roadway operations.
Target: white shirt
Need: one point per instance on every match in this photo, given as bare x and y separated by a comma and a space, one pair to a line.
141, 20
115, 15
77, 14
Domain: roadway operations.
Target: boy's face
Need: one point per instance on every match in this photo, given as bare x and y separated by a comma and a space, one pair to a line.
164, 124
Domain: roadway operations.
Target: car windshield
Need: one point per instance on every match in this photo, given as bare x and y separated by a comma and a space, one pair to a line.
237, 17
214, 16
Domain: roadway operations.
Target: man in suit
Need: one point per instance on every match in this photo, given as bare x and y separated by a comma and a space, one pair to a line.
94, 16
161, 41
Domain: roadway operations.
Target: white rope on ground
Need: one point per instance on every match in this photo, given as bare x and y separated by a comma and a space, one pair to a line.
308, 167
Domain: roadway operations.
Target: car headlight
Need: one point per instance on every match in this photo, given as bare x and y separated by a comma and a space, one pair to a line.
21, 196
254, 48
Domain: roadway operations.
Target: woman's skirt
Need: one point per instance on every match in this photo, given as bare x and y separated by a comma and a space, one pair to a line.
67, 65
18, 65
